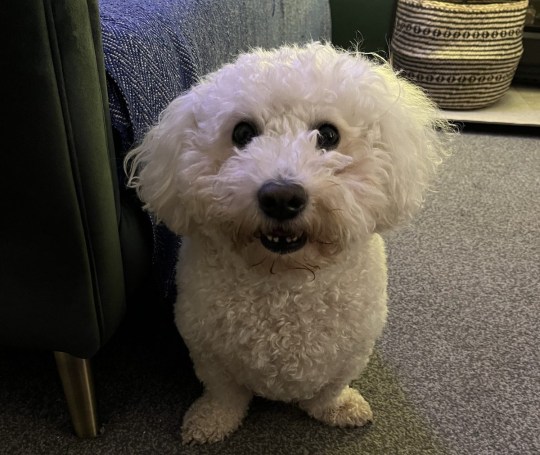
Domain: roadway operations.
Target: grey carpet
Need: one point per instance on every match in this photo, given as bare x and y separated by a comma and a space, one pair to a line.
456, 372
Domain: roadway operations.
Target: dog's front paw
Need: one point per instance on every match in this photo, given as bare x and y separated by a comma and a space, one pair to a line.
209, 420
350, 409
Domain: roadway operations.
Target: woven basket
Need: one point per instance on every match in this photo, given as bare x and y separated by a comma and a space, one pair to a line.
463, 54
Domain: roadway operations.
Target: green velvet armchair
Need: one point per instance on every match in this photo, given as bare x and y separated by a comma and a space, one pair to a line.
70, 241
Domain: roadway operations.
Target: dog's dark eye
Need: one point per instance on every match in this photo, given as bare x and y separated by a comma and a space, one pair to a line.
328, 137
243, 133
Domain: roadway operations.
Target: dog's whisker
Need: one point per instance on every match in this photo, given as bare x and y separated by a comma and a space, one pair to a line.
259, 263
322, 242
332, 183
305, 266
272, 267
335, 210
314, 266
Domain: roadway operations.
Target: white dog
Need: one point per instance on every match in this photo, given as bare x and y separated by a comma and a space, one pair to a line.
280, 170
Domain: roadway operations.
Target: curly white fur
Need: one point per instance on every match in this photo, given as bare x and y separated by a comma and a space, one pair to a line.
299, 326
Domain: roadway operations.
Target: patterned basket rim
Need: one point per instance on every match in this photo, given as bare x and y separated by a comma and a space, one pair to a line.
459, 57
467, 7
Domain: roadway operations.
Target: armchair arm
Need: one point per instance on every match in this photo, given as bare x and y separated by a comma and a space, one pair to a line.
61, 278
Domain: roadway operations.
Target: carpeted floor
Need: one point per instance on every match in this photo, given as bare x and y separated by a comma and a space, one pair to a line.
456, 372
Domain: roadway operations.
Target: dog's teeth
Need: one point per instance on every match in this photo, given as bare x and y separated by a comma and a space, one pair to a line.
277, 239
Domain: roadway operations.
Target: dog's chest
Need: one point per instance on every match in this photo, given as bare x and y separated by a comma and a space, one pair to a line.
283, 339
290, 340
284, 343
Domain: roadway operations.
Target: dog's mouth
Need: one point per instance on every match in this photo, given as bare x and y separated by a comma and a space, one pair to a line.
283, 242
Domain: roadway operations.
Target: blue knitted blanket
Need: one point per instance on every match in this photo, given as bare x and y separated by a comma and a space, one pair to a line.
156, 49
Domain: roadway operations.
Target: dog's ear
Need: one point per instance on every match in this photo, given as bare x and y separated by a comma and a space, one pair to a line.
154, 167
415, 138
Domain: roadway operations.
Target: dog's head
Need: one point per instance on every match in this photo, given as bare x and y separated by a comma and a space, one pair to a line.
291, 154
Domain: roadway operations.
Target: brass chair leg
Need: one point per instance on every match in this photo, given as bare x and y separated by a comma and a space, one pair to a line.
76, 376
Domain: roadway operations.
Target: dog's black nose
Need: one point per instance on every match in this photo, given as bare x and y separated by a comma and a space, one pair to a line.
282, 199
